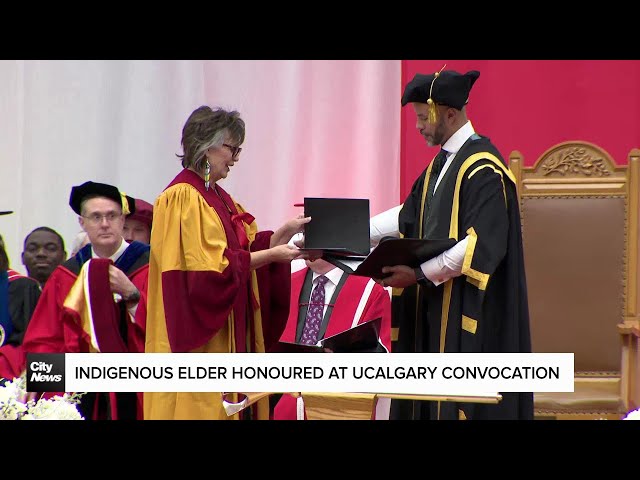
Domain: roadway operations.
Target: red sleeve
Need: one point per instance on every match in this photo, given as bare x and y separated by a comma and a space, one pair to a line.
45, 333
197, 303
12, 361
274, 285
136, 335
379, 305
286, 408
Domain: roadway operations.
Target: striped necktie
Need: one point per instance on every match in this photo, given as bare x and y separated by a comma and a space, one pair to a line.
314, 313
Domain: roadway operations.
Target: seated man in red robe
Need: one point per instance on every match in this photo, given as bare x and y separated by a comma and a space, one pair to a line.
110, 316
338, 302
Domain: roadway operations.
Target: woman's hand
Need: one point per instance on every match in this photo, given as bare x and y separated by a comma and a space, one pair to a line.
281, 254
284, 234
286, 253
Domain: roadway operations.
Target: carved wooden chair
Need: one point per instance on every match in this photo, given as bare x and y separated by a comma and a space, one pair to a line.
580, 233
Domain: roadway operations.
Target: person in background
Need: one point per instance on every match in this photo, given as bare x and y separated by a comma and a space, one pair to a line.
43, 251
216, 283
18, 299
80, 240
137, 226
106, 317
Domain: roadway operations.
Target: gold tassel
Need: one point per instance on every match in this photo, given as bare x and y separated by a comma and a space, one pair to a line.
432, 117
125, 204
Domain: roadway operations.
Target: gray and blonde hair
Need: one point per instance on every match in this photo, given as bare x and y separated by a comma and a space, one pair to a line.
206, 128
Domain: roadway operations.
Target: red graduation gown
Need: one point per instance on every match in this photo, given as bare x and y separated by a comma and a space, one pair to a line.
57, 325
355, 290
203, 296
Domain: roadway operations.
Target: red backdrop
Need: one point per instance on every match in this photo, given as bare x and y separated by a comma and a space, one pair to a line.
530, 105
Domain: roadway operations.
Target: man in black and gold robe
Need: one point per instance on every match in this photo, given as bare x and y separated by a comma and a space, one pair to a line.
472, 298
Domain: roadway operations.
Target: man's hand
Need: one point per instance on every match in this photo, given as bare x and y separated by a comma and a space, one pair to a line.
120, 283
401, 277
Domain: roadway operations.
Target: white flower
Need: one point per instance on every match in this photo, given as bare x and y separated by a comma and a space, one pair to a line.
13, 406
12, 410
11, 396
56, 408
7, 392
633, 415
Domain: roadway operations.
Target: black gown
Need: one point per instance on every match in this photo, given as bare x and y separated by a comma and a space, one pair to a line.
23, 294
486, 308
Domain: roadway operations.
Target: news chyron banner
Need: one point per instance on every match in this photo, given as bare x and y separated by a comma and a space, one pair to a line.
393, 373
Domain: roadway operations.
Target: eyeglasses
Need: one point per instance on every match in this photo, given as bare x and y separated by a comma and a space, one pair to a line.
235, 151
96, 218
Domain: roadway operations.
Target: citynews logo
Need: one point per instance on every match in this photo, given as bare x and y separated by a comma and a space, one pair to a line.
45, 372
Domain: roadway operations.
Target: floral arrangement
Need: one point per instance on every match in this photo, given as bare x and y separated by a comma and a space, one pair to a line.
633, 415
14, 406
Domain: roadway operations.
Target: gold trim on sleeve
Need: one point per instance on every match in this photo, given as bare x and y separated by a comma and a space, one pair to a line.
469, 324
453, 226
504, 192
481, 278
453, 233
444, 317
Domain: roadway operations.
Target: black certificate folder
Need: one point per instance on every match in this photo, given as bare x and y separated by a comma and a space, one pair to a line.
394, 251
361, 338
339, 226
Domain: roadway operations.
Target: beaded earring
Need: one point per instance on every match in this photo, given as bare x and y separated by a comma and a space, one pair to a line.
207, 172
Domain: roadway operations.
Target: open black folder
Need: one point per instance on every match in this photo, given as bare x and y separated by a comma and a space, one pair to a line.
389, 252
363, 337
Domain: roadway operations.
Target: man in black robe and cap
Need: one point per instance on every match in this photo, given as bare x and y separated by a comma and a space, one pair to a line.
472, 298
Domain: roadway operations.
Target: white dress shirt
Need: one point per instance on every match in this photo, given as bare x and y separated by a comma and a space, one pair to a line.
384, 224
118, 253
